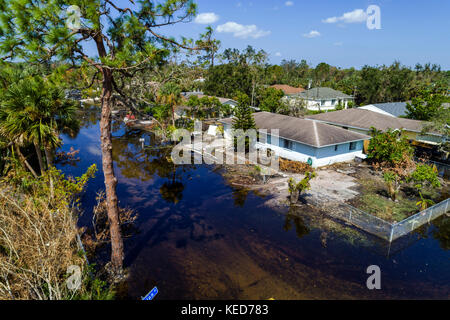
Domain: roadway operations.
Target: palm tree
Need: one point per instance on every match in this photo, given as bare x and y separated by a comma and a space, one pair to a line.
170, 94
35, 112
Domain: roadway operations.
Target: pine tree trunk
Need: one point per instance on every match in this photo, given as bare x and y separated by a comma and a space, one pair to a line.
49, 158
117, 254
173, 115
39, 155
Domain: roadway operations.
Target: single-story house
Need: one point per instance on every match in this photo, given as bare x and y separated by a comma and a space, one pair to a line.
361, 121
393, 109
322, 98
304, 140
287, 90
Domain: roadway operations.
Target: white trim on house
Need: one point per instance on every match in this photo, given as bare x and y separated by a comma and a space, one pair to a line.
373, 108
320, 156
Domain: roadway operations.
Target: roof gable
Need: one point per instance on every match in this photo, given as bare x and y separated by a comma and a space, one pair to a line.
287, 89
323, 93
304, 131
365, 119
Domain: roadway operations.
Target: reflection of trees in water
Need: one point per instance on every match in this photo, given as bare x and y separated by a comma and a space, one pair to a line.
144, 164
172, 191
239, 196
89, 116
442, 232
154, 161
293, 220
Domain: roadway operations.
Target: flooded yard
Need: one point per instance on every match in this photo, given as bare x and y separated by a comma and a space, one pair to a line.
200, 238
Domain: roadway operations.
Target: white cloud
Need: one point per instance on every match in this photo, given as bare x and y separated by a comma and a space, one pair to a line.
206, 18
289, 3
312, 34
278, 54
338, 44
242, 31
355, 16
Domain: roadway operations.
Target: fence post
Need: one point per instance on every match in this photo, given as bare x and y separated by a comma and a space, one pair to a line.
392, 233
430, 215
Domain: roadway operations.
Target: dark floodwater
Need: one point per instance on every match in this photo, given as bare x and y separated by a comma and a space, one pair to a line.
200, 239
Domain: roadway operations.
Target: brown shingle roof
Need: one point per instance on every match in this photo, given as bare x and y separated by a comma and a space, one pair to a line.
287, 89
365, 119
308, 132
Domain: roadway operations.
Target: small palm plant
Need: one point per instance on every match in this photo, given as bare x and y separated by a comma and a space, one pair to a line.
424, 204
296, 189
393, 183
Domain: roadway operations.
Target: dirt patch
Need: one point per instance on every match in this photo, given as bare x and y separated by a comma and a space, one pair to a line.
358, 185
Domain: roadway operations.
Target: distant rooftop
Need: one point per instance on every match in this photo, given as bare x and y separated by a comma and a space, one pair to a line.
397, 109
323, 93
201, 95
307, 132
287, 89
365, 119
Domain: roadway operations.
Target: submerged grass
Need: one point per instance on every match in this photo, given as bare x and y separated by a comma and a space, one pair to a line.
374, 199
387, 209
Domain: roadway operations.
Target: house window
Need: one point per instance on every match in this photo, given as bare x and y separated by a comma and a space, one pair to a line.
333, 102
287, 144
269, 139
352, 145
336, 148
322, 103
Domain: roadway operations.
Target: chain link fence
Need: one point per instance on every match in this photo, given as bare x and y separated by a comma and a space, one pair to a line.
378, 226
406, 226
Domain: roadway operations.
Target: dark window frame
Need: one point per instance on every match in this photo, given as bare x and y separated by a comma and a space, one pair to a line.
288, 144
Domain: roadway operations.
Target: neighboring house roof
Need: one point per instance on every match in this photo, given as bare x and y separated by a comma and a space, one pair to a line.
304, 131
365, 119
191, 93
201, 95
287, 89
396, 109
323, 93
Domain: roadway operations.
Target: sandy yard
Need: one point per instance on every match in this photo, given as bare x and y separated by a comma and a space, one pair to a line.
330, 186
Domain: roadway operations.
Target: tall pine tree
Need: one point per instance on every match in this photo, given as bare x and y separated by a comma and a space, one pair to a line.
243, 118
125, 37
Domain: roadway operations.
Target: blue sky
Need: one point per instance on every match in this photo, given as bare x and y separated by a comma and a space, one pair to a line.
412, 31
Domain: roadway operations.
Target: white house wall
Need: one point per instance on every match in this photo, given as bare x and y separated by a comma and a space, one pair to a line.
375, 109
301, 152
314, 104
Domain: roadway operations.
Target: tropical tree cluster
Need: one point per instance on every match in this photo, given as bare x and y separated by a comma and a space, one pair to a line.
370, 84
34, 112
206, 107
426, 105
126, 38
390, 148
